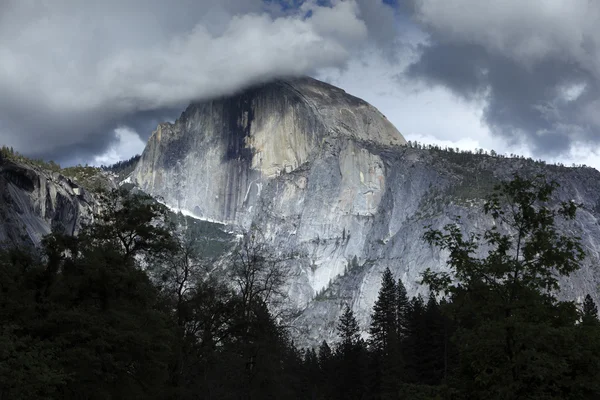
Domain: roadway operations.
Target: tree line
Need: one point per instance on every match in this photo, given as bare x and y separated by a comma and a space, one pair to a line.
413, 144
127, 309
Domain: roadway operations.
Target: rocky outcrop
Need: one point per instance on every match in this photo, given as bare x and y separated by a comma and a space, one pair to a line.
214, 160
326, 179
34, 201
423, 188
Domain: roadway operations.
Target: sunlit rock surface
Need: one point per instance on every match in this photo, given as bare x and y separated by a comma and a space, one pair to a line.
326, 179
215, 159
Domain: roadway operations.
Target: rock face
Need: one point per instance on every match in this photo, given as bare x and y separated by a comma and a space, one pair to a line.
326, 179
34, 200
216, 158
431, 188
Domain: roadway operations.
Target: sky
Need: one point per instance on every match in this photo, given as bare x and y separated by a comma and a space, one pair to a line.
87, 82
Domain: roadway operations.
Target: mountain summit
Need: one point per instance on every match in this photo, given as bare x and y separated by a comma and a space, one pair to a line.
214, 159
334, 190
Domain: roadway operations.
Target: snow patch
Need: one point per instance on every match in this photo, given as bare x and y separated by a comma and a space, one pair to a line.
190, 214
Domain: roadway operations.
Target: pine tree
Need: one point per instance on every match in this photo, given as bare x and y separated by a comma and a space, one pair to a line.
432, 355
348, 330
384, 341
590, 311
402, 310
414, 343
384, 319
313, 377
350, 354
325, 355
327, 370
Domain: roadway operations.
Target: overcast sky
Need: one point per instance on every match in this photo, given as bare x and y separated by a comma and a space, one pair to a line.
84, 81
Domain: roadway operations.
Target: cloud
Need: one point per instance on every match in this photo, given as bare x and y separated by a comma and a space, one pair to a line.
72, 72
536, 64
424, 114
128, 142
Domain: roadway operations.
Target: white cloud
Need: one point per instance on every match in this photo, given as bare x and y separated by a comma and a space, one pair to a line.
527, 31
50, 58
419, 113
573, 91
71, 70
127, 145
434, 115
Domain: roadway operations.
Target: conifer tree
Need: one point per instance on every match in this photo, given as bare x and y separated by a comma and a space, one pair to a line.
348, 330
402, 310
350, 356
384, 340
327, 370
413, 345
324, 356
432, 354
590, 311
384, 319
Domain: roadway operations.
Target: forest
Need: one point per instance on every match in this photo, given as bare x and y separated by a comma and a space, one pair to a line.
127, 310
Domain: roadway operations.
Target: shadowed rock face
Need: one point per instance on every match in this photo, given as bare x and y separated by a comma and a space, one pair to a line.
34, 201
326, 179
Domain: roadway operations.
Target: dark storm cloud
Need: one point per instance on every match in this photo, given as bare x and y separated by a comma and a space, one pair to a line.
73, 71
536, 65
522, 103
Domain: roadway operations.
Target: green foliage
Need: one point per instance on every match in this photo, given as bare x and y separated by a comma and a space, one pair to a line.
128, 309
8, 153
125, 310
91, 178
348, 330
513, 336
88, 315
468, 157
589, 315
477, 184
210, 240
123, 168
384, 319
422, 392
530, 260
350, 359
385, 338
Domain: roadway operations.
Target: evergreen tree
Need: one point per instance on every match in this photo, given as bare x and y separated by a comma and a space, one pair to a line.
432, 355
325, 355
384, 340
590, 311
384, 319
313, 376
414, 344
402, 310
350, 356
348, 331
93, 315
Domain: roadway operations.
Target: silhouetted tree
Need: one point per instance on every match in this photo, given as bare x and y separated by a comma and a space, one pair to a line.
590, 311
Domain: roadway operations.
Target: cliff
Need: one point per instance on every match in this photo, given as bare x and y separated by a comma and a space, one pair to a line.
34, 200
326, 179
214, 160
